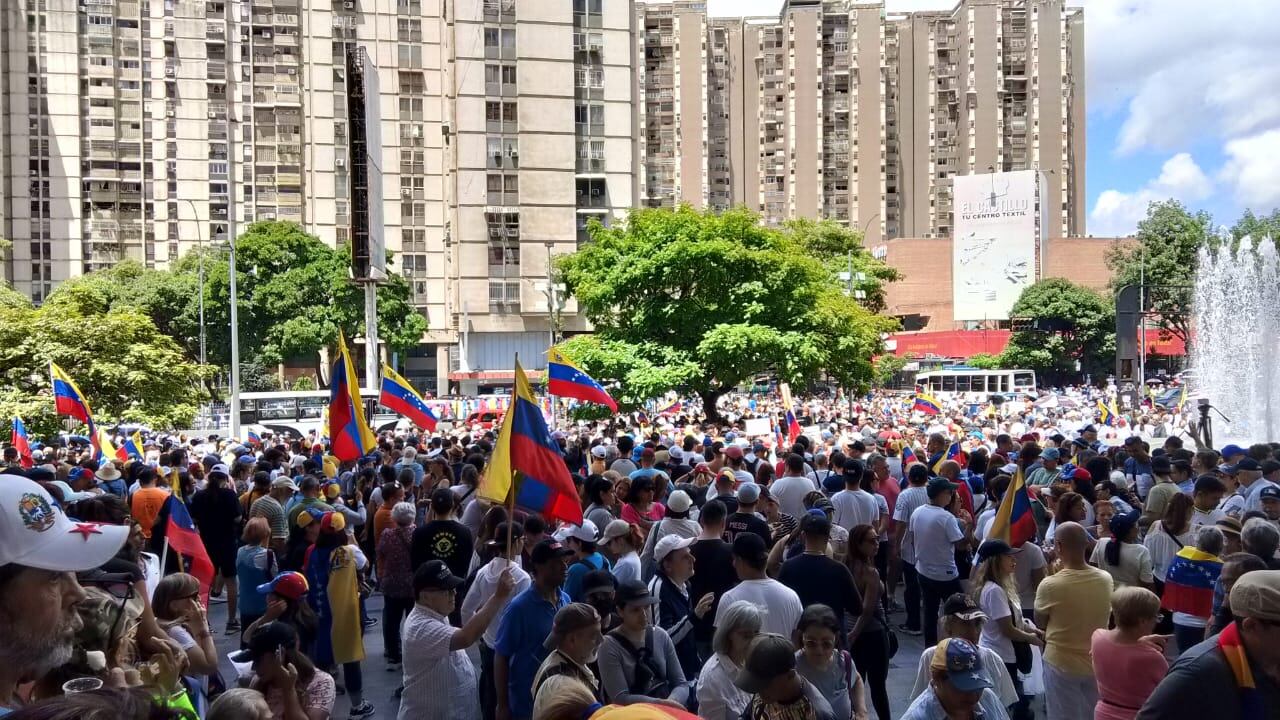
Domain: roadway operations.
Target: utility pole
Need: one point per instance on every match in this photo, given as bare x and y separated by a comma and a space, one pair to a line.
195, 217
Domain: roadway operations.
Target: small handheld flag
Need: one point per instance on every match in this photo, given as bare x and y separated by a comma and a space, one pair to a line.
133, 445
674, 408
527, 462
180, 534
22, 444
1106, 415
399, 396
927, 404
254, 439
349, 434
1014, 522
908, 456
567, 380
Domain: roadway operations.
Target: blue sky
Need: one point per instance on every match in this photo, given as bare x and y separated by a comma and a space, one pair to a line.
1183, 101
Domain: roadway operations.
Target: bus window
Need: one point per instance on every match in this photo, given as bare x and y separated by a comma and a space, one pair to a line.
311, 408
277, 409
948, 383
935, 384
963, 383
980, 383
1024, 381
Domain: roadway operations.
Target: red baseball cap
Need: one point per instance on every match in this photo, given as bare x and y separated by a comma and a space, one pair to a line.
291, 585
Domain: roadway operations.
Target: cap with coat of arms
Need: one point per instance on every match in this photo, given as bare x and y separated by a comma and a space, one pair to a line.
35, 532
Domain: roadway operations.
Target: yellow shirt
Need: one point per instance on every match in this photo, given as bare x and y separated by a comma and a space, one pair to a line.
1077, 602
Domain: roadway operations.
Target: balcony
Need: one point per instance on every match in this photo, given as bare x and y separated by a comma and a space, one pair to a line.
495, 8
590, 165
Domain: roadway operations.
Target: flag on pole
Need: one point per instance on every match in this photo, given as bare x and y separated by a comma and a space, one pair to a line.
107, 448
567, 380
67, 398
674, 408
908, 457
18, 439
1014, 522
133, 445
527, 462
349, 434
181, 535
399, 396
254, 438
1106, 414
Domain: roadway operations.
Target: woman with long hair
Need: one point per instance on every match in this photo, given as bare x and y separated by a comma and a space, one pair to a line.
600, 500
641, 509
177, 606
870, 634
1069, 508
1120, 555
995, 590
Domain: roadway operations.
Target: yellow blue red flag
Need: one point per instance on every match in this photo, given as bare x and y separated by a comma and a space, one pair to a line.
349, 434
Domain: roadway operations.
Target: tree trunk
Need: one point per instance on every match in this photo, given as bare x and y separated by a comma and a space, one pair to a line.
709, 398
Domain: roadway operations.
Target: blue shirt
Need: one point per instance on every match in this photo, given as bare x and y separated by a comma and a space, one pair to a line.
524, 626
927, 707
579, 570
419, 472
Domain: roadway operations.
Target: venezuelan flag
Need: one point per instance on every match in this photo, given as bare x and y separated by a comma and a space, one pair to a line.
253, 438
674, 408
908, 457
1188, 586
349, 434
524, 447
180, 534
953, 452
399, 396
1014, 523
67, 398
1106, 415
107, 448
133, 445
22, 444
927, 404
793, 427
567, 380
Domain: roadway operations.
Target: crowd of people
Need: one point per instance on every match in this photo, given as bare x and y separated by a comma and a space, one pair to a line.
713, 574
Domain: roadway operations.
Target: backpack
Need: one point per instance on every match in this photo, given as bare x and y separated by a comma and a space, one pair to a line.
647, 679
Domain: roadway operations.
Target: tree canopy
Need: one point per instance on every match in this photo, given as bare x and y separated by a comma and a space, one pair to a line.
1088, 336
126, 367
701, 302
1165, 256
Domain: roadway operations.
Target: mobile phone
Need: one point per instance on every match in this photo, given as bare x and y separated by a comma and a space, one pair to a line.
280, 655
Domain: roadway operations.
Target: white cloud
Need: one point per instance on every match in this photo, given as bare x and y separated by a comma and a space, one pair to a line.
1252, 171
1181, 71
1117, 213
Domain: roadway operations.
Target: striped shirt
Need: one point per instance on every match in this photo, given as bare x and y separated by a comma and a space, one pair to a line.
269, 508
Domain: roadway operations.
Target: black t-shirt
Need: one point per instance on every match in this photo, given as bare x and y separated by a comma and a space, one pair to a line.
819, 579
741, 522
447, 540
712, 573
215, 512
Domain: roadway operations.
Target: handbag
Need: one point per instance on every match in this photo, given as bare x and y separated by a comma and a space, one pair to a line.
1022, 654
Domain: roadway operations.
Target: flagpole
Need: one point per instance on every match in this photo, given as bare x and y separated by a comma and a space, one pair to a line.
164, 555
511, 490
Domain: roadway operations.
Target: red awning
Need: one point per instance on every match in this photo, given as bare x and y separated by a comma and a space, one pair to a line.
960, 344
507, 376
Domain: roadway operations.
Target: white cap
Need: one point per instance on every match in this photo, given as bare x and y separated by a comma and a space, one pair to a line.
36, 533
679, 501
586, 532
669, 544
598, 451
221, 469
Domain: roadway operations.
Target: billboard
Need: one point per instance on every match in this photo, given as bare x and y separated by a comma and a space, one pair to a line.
368, 247
994, 243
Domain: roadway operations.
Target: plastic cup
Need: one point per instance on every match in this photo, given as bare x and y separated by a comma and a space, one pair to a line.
79, 685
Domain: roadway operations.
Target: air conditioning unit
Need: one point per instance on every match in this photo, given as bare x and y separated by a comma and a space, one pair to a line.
513, 153
597, 192
340, 162
213, 115
169, 72
266, 36
168, 113
349, 5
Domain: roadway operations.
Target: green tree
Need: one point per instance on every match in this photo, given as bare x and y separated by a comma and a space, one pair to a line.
126, 367
841, 251
984, 361
701, 302
886, 367
1088, 332
1165, 256
1258, 226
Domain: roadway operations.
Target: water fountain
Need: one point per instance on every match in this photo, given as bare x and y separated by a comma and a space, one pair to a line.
1236, 343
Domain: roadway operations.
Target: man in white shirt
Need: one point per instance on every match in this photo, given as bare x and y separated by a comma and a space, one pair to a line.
854, 506
903, 548
439, 679
1249, 475
782, 603
790, 489
482, 590
935, 534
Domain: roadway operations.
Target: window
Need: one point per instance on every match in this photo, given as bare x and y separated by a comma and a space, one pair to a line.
408, 30
409, 56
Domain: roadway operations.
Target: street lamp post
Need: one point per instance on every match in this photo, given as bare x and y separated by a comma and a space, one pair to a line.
235, 349
195, 217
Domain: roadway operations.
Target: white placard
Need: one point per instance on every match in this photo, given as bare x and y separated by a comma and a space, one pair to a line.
758, 426
994, 246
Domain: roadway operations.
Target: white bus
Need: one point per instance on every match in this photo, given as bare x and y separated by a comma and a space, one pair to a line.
298, 412
963, 379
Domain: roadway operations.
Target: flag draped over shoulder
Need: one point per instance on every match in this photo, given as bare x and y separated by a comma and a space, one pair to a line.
399, 396
567, 380
180, 533
349, 434
527, 462
1014, 522
1188, 586
953, 452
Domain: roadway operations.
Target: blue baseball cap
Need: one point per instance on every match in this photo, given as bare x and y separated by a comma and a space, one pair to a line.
1231, 451
1052, 453
962, 663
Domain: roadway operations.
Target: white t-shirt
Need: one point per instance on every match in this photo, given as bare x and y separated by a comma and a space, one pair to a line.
934, 531
1135, 563
994, 601
1030, 558
780, 603
1199, 518
855, 507
627, 569
789, 492
908, 501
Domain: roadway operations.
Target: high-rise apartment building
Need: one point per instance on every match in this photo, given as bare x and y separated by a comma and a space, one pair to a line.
143, 128
836, 109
